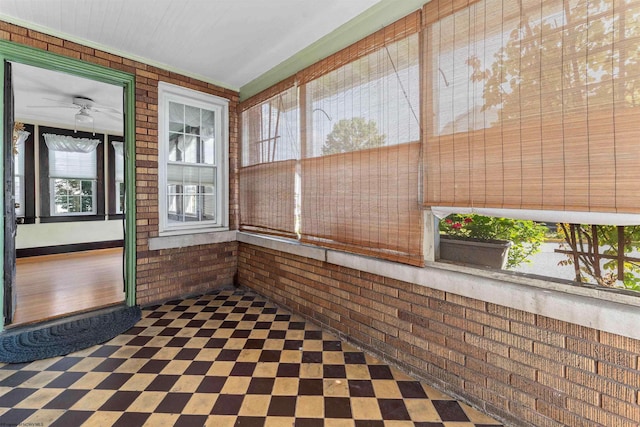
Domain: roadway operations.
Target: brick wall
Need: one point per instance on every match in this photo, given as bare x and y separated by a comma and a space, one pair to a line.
524, 368
199, 268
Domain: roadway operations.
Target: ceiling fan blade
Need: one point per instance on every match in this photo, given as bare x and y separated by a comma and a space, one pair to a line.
110, 111
116, 115
59, 101
105, 109
51, 106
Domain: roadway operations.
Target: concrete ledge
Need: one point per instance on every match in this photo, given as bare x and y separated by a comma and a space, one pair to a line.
613, 312
185, 240
283, 245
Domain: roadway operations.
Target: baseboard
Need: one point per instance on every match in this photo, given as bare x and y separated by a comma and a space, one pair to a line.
61, 249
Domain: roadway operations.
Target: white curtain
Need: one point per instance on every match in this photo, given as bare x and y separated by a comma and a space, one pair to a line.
71, 157
22, 137
70, 144
118, 146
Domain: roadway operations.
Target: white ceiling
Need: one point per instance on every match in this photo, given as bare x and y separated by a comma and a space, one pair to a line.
46, 97
226, 42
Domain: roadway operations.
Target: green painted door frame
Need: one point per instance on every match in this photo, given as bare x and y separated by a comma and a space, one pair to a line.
30, 56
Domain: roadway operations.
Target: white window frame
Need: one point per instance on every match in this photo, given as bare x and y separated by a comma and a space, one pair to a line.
69, 176
171, 93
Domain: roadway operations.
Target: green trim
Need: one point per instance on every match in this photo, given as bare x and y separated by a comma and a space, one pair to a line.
376, 17
2, 192
104, 48
28, 55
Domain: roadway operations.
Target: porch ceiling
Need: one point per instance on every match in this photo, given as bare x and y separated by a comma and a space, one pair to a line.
227, 42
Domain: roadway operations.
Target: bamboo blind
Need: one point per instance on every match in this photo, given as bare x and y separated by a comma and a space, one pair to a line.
270, 147
532, 104
267, 197
360, 168
365, 202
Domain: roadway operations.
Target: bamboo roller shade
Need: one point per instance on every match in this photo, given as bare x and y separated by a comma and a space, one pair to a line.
267, 198
548, 118
270, 147
365, 201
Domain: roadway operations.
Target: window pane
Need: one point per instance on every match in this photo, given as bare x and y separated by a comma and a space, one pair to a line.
208, 201
189, 200
176, 117
87, 204
73, 196
190, 150
207, 133
179, 174
172, 203
208, 150
87, 188
191, 203
175, 152
192, 120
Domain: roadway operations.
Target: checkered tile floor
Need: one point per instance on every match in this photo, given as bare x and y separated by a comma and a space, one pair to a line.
226, 359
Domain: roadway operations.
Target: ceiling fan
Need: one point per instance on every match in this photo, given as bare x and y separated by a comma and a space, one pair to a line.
85, 108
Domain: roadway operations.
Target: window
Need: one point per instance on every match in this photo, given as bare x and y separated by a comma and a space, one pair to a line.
24, 174
193, 159
73, 175
360, 162
270, 153
19, 172
117, 182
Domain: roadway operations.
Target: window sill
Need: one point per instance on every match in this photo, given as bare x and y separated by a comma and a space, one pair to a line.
614, 312
191, 238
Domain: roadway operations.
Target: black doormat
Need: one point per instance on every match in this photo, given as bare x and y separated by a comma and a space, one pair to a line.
64, 336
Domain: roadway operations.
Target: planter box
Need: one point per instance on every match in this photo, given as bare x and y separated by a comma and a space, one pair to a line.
486, 253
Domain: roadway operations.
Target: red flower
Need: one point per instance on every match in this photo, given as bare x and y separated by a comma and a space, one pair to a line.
448, 221
468, 220
457, 225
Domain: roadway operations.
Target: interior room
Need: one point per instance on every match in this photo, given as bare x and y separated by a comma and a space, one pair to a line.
53, 241
282, 213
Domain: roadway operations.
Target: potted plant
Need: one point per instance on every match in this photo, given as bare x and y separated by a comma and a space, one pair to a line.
489, 241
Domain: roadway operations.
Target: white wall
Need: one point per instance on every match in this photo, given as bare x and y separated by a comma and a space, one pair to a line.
65, 233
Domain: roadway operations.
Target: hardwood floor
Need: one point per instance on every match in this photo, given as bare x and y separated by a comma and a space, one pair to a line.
54, 285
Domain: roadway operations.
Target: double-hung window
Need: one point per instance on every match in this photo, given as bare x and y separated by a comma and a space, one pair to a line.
193, 153
73, 175
19, 171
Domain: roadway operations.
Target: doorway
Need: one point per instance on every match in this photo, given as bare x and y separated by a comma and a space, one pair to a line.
68, 175
75, 221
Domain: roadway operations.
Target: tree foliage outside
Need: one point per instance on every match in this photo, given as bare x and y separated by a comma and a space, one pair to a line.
531, 58
73, 196
351, 135
589, 242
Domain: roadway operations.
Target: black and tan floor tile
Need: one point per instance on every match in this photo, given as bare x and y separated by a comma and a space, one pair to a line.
226, 359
